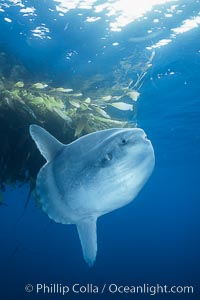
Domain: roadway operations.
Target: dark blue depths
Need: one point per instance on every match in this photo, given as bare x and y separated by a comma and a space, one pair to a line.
153, 240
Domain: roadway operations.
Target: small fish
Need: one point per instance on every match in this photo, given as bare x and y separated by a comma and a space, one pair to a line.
134, 95
76, 95
19, 84
62, 90
80, 127
63, 115
102, 112
75, 103
117, 97
106, 98
122, 106
39, 86
87, 100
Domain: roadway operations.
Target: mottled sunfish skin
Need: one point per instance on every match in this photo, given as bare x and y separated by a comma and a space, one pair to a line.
90, 177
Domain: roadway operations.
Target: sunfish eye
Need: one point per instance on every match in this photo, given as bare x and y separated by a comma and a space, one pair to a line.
123, 141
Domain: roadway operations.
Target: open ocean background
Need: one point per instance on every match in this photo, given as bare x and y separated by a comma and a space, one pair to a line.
156, 238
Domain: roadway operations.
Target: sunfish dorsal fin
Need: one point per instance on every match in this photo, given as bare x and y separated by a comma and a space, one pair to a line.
88, 237
48, 145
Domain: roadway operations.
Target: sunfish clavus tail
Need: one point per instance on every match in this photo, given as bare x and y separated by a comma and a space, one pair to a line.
90, 177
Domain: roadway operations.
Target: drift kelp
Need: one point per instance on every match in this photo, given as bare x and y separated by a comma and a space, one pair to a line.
67, 111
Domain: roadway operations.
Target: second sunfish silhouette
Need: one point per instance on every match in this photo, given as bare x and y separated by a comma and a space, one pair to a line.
90, 177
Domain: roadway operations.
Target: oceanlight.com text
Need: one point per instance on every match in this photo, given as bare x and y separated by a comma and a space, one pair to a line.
112, 288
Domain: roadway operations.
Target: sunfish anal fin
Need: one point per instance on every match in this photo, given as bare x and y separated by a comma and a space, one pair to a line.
88, 237
46, 143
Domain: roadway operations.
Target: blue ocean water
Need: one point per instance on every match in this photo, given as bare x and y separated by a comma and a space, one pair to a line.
155, 239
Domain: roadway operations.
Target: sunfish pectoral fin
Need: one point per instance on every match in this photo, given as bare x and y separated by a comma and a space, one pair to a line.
88, 237
46, 143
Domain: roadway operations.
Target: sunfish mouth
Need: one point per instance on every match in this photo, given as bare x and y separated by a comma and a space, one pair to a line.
142, 133
146, 138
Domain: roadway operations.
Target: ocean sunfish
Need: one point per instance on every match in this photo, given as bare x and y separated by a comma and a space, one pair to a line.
92, 176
